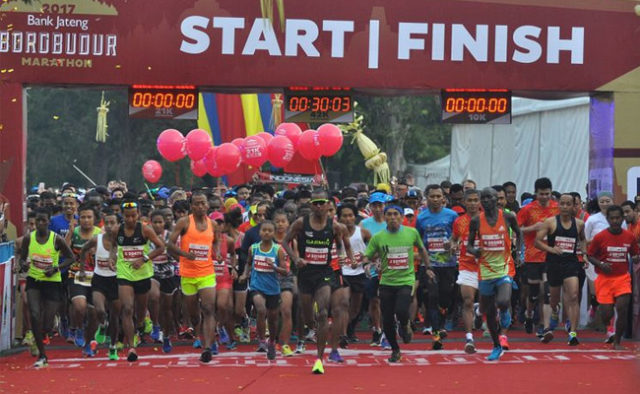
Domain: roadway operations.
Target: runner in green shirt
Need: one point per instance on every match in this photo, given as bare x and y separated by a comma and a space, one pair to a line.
395, 246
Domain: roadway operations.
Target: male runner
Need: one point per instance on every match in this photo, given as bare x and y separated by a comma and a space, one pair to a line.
631, 218
565, 236
491, 228
198, 236
40, 253
315, 234
394, 246
609, 252
511, 192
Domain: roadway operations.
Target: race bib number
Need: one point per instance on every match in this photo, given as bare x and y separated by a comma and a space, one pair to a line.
616, 254
220, 268
316, 256
200, 251
493, 242
476, 244
263, 263
104, 264
86, 281
566, 244
130, 253
398, 258
41, 261
436, 244
161, 259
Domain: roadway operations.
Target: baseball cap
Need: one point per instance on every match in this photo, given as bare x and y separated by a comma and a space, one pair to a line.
379, 197
216, 215
412, 194
408, 211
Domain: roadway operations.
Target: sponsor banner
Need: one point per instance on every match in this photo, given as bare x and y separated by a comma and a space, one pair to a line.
297, 179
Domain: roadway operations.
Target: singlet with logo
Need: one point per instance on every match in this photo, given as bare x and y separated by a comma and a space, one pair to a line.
466, 261
436, 230
77, 242
264, 277
615, 250
567, 240
199, 243
221, 267
43, 256
101, 259
162, 263
496, 248
358, 248
130, 249
315, 245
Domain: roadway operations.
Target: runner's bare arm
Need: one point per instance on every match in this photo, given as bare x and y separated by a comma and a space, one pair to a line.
515, 228
179, 229
247, 268
292, 234
581, 237
216, 240
346, 242
366, 235
474, 226
65, 250
24, 252
544, 231
92, 243
281, 268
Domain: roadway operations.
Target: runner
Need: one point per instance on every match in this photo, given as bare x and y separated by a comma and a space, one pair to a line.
565, 236
198, 235
40, 254
435, 225
27, 338
491, 228
315, 234
265, 261
511, 192
609, 252
288, 287
530, 218
394, 246
134, 270
104, 286
468, 265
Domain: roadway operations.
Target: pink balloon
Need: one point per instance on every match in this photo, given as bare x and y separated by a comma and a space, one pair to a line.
152, 171
289, 130
228, 157
239, 142
211, 163
281, 151
330, 139
309, 145
199, 168
170, 144
255, 151
265, 136
198, 143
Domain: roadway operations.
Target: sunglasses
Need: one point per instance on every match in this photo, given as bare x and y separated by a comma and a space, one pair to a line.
65, 195
130, 205
319, 202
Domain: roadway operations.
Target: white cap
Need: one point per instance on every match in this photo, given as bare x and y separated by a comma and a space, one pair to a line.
408, 211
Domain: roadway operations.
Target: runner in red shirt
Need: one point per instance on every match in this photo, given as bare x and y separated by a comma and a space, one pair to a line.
609, 253
530, 219
631, 217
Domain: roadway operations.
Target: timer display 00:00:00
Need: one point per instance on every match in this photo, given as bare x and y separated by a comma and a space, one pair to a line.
475, 105
163, 100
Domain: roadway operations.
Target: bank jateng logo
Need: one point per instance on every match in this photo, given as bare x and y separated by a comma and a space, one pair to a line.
57, 33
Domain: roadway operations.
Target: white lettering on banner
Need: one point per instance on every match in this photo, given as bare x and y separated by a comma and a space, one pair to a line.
566, 244
45, 43
436, 244
398, 258
41, 261
617, 254
301, 38
316, 256
493, 242
263, 263
130, 253
200, 251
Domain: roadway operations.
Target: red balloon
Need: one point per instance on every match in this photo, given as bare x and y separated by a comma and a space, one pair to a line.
152, 171
198, 143
281, 151
211, 163
228, 157
239, 142
170, 144
255, 151
309, 145
199, 168
330, 139
265, 136
289, 130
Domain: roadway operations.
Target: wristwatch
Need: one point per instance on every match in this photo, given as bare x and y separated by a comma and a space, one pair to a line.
145, 258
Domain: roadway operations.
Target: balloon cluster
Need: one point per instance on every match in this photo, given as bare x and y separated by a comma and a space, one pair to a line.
254, 150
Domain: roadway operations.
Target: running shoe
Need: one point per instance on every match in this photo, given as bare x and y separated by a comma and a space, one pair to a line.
100, 334
477, 322
384, 343
33, 349
205, 357
87, 351
271, 350
496, 353
113, 354
443, 333
376, 338
426, 331
437, 341
245, 337
132, 356
185, 332
318, 368
334, 357
528, 324
311, 336
406, 333
554, 320
166, 345
71, 336
79, 340
41, 363
300, 348
485, 330
286, 351
28, 338
197, 344
395, 356
344, 341
505, 319
119, 345
136, 340
547, 336
148, 325
353, 338
46, 339
469, 347
238, 332
156, 334
610, 337
233, 345
573, 339
224, 336
214, 348
94, 345
504, 342
262, 346
540, 332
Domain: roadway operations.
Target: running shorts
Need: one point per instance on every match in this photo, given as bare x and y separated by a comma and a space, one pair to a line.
608, 288
311, 279
489, 287
139, 286
107, 285
355, 282
535, 271
167, 285
49, 291
191, 286
468, 278
558, 272
271, 301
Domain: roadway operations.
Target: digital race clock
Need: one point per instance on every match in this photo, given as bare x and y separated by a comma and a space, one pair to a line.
163, 101
476, 106
318, 105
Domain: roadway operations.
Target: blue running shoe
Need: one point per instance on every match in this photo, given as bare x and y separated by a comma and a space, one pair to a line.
384, 344
197, 344
166, 345
233, 345
553, 321
155, 334
64, 328
496, 353
79, 337
505, 319
214, 348
335, 357
224, 337
87, 351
